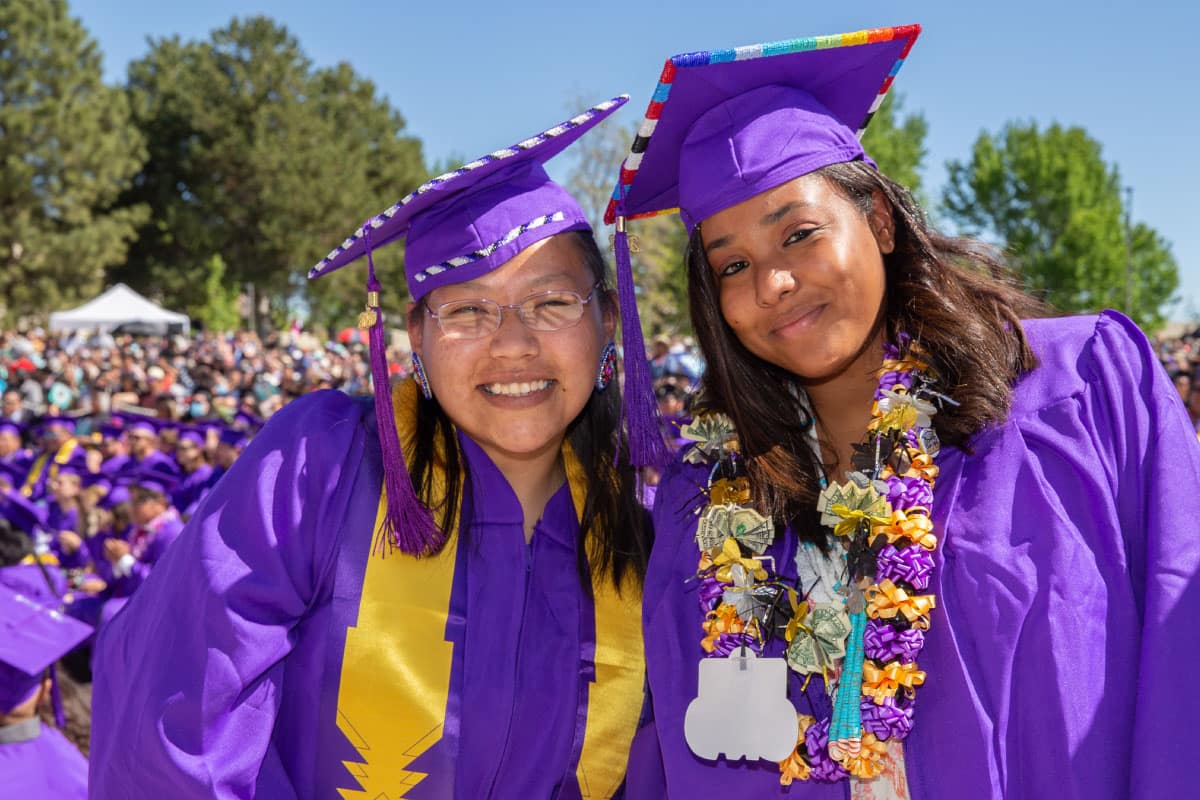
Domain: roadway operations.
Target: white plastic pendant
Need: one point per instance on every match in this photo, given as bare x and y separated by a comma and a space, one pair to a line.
742, 709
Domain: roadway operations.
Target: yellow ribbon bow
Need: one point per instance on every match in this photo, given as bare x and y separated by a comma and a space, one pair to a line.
887, 600
881, 683
730, 556
913, 525
726, 491
852, 518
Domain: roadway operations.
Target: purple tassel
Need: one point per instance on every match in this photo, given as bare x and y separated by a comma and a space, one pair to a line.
408, 524
60, 718
646, 445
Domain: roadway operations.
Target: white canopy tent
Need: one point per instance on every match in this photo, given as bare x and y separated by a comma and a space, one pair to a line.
118, 306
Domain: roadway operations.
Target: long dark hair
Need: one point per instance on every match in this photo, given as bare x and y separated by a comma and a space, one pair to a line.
953, 296
615, 532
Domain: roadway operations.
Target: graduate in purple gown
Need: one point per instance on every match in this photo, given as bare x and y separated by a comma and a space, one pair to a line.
113, 448
196, 477
13, 454
948, 538
156, 526
141, 437
56, 445
36, 761
434, 595
64, 512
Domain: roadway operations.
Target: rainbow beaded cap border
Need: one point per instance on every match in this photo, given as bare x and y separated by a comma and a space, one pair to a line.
704, 58
881, 517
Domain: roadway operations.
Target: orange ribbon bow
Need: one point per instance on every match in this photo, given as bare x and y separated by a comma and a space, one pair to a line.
881, 683
887, 600
913, 525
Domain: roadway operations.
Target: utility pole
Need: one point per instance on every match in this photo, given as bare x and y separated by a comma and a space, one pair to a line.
1128, 251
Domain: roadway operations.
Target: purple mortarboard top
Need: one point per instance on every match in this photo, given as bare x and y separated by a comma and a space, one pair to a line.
246, 421
131, 422
157, 476
12, 426
116, 495
111, 430
47, 422
21, 512
98, 479
234, 437
460, 226
33, 635
189, 433
726, 125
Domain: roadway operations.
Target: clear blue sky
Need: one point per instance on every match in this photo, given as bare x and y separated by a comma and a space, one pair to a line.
471, 76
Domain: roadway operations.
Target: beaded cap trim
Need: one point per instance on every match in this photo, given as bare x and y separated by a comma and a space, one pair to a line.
704, 58
484, 252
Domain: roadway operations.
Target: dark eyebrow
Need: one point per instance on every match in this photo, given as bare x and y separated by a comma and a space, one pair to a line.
769, 219
780, 213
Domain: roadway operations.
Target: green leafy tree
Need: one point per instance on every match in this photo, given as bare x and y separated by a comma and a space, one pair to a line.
898, 144
1049, 198
261, 159
68, 149
219, 311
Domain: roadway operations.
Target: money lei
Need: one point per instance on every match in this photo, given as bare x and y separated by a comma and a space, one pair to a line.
881, 516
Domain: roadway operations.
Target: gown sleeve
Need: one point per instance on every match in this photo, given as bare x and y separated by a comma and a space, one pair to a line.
1155, 471
188, 676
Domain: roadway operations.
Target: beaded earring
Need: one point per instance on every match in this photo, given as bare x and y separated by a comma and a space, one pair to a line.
608, 367
419, 375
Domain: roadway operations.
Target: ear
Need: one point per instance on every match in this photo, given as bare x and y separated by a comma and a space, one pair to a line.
882, 222
413, 320
609, 314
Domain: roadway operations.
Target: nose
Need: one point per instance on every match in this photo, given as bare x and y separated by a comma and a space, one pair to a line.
772, 284
512, 339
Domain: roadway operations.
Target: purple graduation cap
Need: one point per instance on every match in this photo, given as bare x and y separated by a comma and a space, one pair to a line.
116, 495
191, 433
12, 426
111, 431
726, 125
33, 635
460, 226
76, 464
132, 422
47, 422
235, 437
21, 512
161, 476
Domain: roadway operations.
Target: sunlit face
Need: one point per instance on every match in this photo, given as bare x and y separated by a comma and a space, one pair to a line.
9, 443
145, 505
188, 454
141, 443
800, 275
64, 487
515, 391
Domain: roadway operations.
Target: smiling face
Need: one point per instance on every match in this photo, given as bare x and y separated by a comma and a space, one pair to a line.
800, 275
515, 391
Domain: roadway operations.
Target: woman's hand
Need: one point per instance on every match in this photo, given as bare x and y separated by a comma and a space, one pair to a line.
115, 550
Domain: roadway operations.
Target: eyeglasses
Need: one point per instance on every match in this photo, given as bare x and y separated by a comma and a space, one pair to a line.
544, 311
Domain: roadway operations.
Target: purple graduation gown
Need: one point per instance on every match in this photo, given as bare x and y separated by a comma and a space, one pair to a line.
221, 678
193, 489
1066, 583
45, 767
